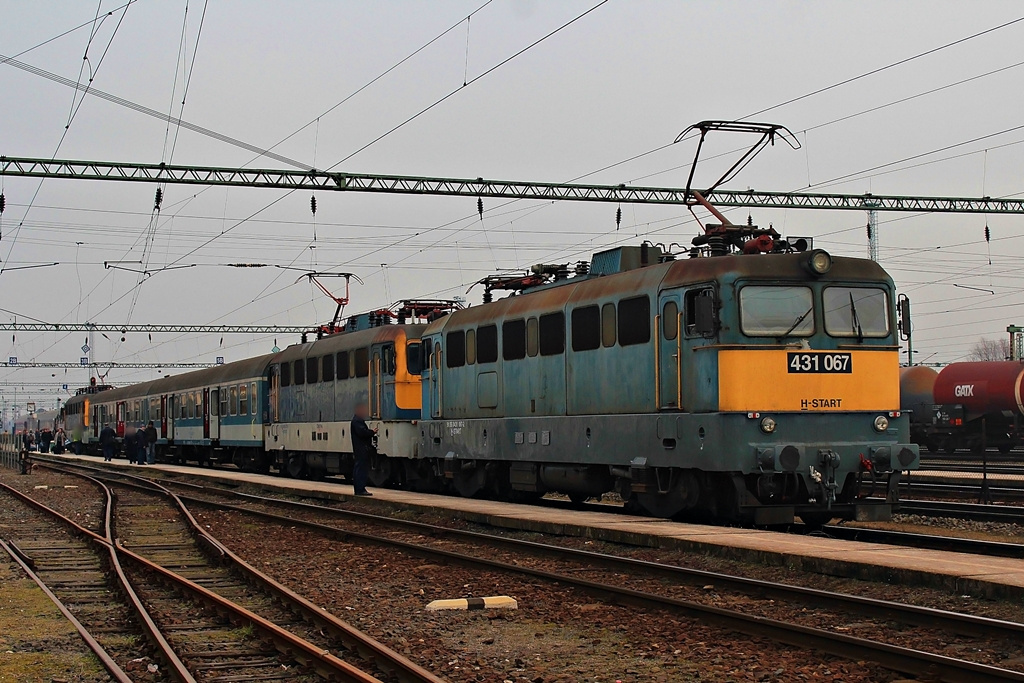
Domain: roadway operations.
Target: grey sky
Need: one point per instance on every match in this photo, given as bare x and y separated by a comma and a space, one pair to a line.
625, 79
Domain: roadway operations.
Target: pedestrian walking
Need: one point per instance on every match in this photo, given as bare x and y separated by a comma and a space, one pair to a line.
45, 439
59, 441
107, 442
362, 447
150, 443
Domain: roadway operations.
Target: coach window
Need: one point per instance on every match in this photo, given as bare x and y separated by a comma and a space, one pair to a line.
552, 334
328, 369
776, 311
300, 372
191, 405
856, 311
233, 400
390, 360
286, 375
243, 400
362, 360
214, 402
223, 394
532, 337
343, 365
199, 404
513, 339
252, 398
312, 371
455, 348
670, 320
487, 344
182, 406
586, 328
634, 321
608, 318
470, 347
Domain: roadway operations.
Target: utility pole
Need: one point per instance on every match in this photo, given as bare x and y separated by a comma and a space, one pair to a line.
1016, 342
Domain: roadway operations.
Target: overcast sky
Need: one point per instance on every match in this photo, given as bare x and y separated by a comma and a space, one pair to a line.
624, 79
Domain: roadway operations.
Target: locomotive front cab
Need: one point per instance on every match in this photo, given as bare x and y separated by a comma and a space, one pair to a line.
803, 356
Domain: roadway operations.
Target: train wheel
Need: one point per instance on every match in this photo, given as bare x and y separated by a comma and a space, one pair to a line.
680, 493
381, 472
579, 498
470, 483
949, 448
1005, 447
932, 447
296, 467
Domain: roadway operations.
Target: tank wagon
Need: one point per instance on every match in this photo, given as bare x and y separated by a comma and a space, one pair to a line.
970, 405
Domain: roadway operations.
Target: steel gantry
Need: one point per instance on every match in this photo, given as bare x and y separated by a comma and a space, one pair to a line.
107, 365
464, 187
152, 329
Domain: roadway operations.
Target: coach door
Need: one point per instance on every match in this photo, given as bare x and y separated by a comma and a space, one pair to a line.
213, 409
669, 319
168, 413
122, 409
434, 385
206, 413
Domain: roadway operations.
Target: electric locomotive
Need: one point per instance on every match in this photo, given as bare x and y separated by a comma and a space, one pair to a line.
755, 381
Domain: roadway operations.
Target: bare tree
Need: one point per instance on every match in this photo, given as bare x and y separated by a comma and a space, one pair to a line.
990, 349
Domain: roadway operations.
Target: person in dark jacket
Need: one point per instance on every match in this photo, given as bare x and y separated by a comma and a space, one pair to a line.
362, 447
141, 446
150, 443
107, 442
130, 451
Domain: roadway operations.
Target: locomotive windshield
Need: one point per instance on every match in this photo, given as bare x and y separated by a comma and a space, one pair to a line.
856, 311
773, 311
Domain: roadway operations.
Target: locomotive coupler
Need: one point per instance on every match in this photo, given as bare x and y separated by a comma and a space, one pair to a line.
829, 464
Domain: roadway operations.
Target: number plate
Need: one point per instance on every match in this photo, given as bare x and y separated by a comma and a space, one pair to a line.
830, 363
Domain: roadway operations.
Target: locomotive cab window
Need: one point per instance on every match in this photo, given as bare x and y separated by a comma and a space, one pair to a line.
634, 321
532, 337
776, 311
513, 339
700, 310
414, 357
389, 360
487, 344
470, 347
455, 348
552, 334
586, 328
362, 361
856, 312
670, 320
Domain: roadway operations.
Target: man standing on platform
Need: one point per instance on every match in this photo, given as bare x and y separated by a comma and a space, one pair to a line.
150, 443
107, 442
362, 446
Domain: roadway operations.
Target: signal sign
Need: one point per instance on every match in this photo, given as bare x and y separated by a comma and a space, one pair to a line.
220, 360
84, 360
13, 360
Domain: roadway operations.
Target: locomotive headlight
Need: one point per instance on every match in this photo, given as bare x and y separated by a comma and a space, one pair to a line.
768, 425
881, 423
818, 262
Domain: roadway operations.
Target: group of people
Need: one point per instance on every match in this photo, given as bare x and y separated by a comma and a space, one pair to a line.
44, 440
140, 447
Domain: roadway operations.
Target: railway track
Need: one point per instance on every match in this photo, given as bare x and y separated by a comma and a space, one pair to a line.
903, 659
237, 633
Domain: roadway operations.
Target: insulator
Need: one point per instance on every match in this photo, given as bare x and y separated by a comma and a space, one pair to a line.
869, 231
159, 199
480, 207
488, 296
618, 217
312, 204
988, 234
750, 220
3, 202
150, 335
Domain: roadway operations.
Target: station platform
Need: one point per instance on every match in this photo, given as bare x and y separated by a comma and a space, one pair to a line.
962, 574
